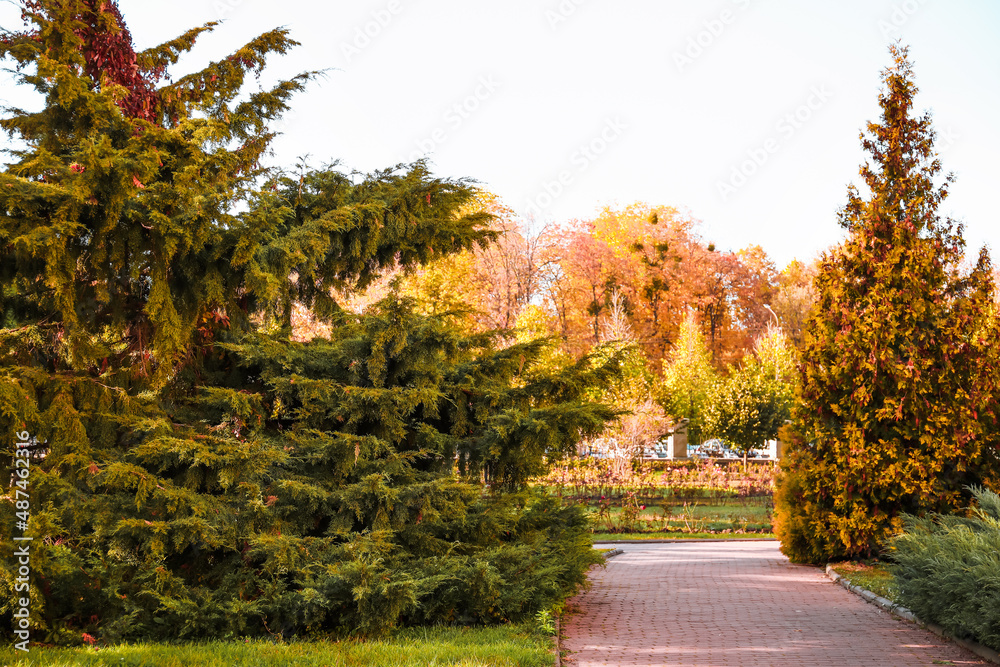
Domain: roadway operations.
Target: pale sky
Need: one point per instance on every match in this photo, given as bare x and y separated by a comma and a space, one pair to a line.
744, 113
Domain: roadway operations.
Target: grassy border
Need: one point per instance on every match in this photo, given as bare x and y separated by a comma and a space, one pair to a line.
680, 537
903, 613
412, 647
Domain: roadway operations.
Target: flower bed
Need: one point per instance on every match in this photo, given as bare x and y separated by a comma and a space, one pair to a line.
615, 478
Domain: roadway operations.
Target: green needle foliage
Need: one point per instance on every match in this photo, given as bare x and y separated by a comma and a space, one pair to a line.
900, 364
194, 472
947, 568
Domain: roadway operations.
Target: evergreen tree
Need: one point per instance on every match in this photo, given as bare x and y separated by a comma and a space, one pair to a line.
899, 367
689, 379
196, 473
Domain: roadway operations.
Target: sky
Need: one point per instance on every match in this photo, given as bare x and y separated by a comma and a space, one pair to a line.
745, 114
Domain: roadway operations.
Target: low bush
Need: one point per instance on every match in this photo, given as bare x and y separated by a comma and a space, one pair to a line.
804, 521
948, 569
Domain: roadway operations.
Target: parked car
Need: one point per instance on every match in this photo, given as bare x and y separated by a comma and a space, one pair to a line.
713, 448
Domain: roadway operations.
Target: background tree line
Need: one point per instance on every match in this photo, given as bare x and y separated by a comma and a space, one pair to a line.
710, 334
649, 260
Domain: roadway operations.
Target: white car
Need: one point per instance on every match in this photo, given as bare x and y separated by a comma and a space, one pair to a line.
714, 448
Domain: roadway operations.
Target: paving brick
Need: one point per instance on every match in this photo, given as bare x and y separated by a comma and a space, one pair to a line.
736, 603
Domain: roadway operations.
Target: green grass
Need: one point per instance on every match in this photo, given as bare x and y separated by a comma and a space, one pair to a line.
617, 537
712, 520
505, 646
868, 575
701, 509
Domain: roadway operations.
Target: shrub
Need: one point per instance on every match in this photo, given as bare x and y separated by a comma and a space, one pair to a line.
947, 568
802, 522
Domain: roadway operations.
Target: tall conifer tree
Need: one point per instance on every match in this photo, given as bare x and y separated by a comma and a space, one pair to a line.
689, 379
899, 367
196, 473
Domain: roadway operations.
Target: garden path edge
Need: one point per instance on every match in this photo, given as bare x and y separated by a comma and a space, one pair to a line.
902, 612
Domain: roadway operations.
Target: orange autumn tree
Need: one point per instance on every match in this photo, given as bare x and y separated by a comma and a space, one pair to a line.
486, 288
652, 249
794, 297
655, 258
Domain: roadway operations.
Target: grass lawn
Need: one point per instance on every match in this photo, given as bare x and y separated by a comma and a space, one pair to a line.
868, 575
707, 518
506, 646
617, 537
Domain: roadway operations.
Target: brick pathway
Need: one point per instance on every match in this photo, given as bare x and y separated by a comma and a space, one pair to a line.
736, 603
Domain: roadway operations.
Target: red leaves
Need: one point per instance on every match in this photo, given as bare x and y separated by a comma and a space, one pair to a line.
110, 54
137, 182
77, 168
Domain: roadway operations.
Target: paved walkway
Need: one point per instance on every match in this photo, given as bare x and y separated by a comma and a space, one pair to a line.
736, 603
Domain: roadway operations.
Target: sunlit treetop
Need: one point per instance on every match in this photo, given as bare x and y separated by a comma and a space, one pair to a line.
138, 207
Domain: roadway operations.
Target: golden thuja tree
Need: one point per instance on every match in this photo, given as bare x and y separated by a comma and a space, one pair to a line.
899, 366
